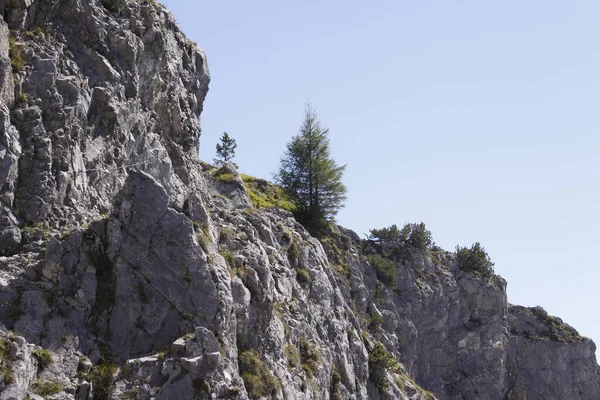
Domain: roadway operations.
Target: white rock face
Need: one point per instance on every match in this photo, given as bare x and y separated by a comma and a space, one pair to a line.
147, 276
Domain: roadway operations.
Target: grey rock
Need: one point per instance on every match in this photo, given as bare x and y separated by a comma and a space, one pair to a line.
10, 234
116, 244
83, 391
85, 364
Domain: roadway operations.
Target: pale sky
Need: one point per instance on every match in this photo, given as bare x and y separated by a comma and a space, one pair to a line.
479, 118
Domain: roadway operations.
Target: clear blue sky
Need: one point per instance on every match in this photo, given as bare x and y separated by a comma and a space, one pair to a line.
480, 118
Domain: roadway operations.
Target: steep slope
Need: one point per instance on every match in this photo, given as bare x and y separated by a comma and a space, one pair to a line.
144, 274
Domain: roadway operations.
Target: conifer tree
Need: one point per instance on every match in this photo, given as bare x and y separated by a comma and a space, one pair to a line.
310, 176
225, 149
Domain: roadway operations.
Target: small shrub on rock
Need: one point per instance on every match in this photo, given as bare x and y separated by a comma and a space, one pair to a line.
386, 235
475, 259
381, 361
44, 357
46, 388
303, 276
415, 235
103, 377
292, 355
309, 357
384, 268
15, 54
257, 377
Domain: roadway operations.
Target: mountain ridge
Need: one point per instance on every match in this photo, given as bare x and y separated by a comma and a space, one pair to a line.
129, 271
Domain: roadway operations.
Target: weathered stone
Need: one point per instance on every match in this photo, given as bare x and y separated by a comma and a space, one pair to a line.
83, 391
116, 244
85, 364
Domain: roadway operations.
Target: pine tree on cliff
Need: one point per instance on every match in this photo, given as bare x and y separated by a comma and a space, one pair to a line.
225, 149
310, 176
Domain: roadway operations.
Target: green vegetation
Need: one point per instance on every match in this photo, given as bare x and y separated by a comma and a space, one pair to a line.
415, 235
22, 97
225, 149
8, 374
552, 328
266, 195
206, 166
226, 234
223, 176
384, 268
475, 260
228, 256
338, 258
46, 388
35, 34
6, 359
561, 332
201, 385
293, 250
293, 355
310, 357
36, 229
15, 54
336, 380
257, 377
387, 235
310, 176
102, 377
44, 357
203, 236
401, 383
375, 321
303, 275
380, 362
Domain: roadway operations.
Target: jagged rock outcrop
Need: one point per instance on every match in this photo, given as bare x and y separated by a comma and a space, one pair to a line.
144, 273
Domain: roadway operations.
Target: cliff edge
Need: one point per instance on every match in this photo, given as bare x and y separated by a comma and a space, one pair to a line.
129, 269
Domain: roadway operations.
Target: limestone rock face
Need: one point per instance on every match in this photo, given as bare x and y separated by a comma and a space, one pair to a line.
100, 87
128, 269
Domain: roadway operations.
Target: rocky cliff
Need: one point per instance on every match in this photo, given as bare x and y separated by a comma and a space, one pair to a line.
129, 269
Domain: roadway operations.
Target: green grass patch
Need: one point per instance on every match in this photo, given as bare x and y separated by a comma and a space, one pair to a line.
336, 380
384, 268
228, 256
303, 276
226, 234
15, 53
102, 377
203, 236
475, 260
46, 388
380, 362
225, 177
44, 357
5, 359
206, 166
293, 356
35, 34
257, 376
310, 357
264, 194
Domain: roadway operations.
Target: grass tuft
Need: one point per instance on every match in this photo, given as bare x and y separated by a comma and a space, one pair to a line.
257, 377
44, 357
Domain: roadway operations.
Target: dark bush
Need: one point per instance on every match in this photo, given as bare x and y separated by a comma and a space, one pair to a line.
415, 235
257, 377
474, 259
384, 268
